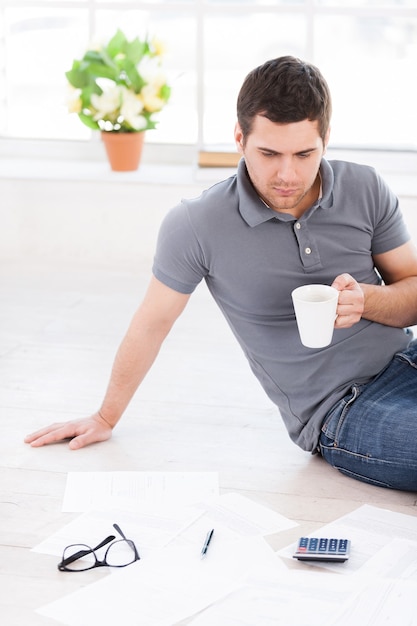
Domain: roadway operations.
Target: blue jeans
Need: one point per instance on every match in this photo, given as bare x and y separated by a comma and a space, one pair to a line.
371, 434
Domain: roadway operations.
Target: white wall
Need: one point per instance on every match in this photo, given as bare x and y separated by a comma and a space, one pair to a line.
84, 222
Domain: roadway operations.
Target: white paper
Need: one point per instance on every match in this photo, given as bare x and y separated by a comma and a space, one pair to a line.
106, 491
246, 517
151, 528
232, 516
396, 560
369, 528
388, 593
292, 598
174, 584
380, 602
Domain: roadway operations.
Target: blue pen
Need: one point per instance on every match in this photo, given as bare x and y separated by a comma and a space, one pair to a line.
207, 543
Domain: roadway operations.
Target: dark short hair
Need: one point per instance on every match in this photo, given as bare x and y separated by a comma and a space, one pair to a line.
284, 90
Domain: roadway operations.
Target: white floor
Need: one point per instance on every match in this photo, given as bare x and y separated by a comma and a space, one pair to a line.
199, 409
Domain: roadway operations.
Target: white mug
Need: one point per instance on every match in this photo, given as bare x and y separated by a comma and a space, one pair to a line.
315, 310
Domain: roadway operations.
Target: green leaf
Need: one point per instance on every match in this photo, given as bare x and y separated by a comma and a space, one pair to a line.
88, 121
135, 50
165, 92
107, 59
93, 56
98, 70
76, 76
134, 77
117, 44
87, 92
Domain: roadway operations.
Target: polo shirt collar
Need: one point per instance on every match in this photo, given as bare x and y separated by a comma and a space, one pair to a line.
327, 180
254, 211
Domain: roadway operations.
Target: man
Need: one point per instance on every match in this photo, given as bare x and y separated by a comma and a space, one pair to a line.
290, 217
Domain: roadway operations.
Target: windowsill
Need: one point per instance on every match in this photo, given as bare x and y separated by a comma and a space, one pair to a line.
97, 171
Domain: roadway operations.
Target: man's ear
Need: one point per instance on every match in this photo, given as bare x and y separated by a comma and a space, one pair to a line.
239, 138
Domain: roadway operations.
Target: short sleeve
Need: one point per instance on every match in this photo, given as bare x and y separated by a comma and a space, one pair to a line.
390, 230
178, 261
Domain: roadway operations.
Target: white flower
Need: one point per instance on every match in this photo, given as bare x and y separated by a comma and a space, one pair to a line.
131, 109
107, 103
151, 100
158, 46
151, 71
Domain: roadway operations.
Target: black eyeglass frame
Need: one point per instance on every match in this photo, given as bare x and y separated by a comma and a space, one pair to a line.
63, 565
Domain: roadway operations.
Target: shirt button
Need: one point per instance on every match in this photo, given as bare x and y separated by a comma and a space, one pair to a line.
307, 250
298, 225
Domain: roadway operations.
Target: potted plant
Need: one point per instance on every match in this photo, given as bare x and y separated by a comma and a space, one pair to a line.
117, 89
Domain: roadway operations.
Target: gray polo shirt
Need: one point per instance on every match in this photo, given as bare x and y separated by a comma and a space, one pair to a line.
252, 257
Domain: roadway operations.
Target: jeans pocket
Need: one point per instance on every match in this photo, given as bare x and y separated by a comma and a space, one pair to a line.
334, 419
404, 357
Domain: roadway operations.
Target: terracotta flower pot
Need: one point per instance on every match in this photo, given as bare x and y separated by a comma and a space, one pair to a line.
124, 150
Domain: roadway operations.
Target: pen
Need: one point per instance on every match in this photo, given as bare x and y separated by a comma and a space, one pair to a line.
207, 543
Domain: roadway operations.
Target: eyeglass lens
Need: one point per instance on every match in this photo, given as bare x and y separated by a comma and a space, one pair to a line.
77, 558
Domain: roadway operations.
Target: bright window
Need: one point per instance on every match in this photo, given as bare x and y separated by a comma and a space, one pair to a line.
367, 50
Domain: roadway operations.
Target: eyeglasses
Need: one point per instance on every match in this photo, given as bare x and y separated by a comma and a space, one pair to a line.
80, 557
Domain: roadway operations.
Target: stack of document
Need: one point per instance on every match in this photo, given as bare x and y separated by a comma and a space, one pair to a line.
241, 581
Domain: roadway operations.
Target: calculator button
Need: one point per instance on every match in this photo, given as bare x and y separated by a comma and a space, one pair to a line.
333, 545
323, 545
343, 544
312, 546
303, 544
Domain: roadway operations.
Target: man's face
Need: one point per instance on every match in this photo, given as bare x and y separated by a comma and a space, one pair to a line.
283, 162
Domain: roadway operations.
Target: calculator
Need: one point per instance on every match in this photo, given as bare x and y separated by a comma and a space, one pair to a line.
322, 549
